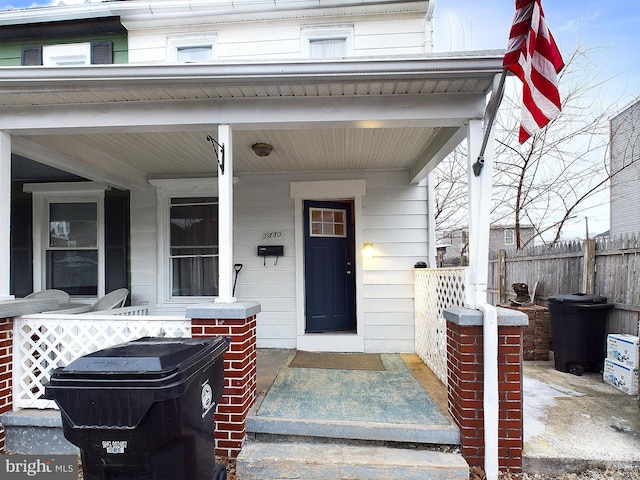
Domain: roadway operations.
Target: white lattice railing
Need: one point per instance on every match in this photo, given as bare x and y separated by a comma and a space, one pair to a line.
434, 290
44, 342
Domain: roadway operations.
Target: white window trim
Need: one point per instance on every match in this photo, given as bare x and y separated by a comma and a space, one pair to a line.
166, 189
307, 34
52, 54
45, 194
513, 237
174, 43
328, 190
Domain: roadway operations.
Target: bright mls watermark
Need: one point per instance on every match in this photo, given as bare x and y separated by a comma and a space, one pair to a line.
49, 467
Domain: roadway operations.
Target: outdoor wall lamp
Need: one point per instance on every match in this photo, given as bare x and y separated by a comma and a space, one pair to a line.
367, 250
262, 149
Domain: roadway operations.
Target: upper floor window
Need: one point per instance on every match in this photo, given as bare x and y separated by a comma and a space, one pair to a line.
68, 54
65, 55
324, 42
509, 237
192, 48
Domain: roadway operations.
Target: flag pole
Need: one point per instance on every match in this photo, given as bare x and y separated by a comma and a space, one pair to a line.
490, 116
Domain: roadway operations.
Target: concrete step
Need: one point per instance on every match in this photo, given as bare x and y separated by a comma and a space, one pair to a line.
355, 430
265, 460
35, 432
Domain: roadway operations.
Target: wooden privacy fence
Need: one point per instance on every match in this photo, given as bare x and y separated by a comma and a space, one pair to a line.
604, 266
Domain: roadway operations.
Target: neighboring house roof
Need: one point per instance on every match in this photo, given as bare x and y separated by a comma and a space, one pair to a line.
163, 13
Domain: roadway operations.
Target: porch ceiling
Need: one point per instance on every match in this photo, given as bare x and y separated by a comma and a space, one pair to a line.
124, 124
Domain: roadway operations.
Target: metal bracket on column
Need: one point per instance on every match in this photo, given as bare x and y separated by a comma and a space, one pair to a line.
477, 167
219, 158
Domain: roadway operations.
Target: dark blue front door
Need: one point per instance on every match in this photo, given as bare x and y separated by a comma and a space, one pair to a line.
329, 267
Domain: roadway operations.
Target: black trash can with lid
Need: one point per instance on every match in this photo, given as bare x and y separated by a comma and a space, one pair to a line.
578, 331
144, 409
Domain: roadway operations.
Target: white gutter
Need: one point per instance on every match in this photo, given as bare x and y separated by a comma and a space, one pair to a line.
149, 11
479, 65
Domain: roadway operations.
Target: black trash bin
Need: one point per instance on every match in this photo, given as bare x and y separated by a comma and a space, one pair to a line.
578, 331
144, 409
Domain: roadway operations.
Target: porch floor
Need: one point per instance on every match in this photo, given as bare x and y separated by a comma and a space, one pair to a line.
403, 402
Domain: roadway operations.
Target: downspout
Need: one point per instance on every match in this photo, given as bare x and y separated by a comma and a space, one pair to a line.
491, 400
431, 222
428, 27
480, 199
480, 186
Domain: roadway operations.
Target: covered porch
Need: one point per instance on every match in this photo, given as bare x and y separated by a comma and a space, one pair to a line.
363, 132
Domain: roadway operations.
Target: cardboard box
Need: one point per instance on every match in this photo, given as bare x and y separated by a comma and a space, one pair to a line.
621, 376
624, 349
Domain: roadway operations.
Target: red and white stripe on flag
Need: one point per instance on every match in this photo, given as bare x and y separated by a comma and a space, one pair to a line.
533, 56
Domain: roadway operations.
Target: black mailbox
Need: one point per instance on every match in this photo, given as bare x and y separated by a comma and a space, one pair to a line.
270, 250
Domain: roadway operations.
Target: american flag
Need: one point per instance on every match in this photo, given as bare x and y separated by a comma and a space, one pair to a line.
533, 56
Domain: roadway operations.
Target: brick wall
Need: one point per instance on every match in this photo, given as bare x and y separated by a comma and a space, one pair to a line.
466, 385
536, 337
6, 369
240, 379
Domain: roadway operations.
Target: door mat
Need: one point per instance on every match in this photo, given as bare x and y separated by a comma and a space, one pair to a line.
338, 361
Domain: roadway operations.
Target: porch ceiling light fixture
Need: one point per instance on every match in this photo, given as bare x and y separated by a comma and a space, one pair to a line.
262, 149
367, 250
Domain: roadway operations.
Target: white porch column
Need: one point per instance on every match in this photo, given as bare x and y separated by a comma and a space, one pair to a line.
225, 218
5, 214
479, 212
479, 218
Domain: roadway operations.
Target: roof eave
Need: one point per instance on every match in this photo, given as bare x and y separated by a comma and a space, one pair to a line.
222, 10
484, 64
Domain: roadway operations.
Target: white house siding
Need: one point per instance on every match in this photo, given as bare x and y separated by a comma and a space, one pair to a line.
625, 150
144, 247
394, 220
283, 39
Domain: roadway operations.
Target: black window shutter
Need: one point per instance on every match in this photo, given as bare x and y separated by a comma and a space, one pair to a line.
116, 224
32, 55
101, 53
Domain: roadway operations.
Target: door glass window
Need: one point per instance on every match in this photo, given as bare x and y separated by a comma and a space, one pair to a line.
194, 246
327, 222
72, 251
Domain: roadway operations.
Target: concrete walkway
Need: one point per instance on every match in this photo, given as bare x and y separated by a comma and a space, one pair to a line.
577, 422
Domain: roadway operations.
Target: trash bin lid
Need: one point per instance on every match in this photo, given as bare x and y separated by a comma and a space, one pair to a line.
584, 298
143, 359
116, 386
